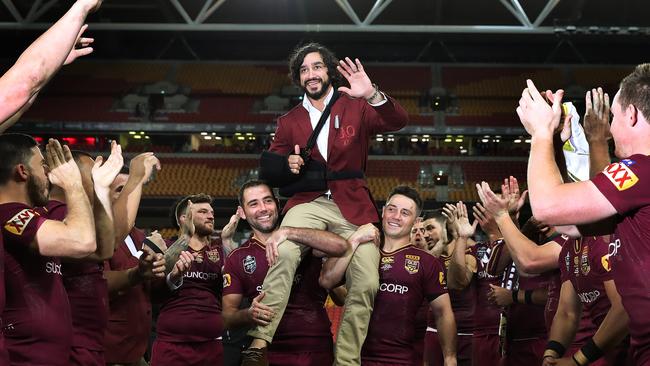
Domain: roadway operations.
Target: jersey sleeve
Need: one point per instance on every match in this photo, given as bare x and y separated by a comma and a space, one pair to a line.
232, 277
625, 183
600, 263
434, 282
21, 223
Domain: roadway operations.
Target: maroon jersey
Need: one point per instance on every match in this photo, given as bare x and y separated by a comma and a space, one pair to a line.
585, 263
36, 318
625, 185
407, 277
527, 321
192, 313
4, 355
244, 274
129, 321
486, 321
462, 302
87, 292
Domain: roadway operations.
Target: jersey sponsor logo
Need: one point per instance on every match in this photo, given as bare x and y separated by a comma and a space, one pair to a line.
201, 275
17, 224
621, 176
393, 288
441, 278
259, 289
386, 263
612, 249
589, 297
53, 267
227, 280
604, 260
584, 261
412, 265
213, 255
250, 264
576, 266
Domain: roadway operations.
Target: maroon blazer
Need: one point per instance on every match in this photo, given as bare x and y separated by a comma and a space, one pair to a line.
348, 149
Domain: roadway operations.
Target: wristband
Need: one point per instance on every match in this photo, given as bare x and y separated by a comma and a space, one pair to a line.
515, 296
591, 351
528, 297
578, 363
556, 347
375, 94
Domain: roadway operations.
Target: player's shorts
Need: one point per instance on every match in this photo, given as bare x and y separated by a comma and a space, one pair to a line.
80, 356
300, 358
208, 353
433, 352
485, 350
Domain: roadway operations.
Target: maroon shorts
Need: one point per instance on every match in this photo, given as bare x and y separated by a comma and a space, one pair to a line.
433, 352
525, 352
86, 357
208, 353
418, 350
485, 350
300, 358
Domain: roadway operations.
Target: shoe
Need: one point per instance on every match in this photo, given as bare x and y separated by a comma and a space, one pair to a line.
254, 357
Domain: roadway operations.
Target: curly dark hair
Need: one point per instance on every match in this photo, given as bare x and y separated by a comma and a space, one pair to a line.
330, 60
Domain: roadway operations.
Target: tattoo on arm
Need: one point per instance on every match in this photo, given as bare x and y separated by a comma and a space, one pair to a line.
174, 251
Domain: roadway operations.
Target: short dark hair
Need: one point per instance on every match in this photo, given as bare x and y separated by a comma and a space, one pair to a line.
436, 214
408, 192
298, 56
250, 184
635, 89
15, 148
181, 205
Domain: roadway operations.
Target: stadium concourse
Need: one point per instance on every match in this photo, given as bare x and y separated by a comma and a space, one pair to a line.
473, 196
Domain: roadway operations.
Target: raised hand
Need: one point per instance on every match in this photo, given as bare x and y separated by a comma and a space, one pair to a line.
463, 227
360, 85
150, 264
596, 119
259, 313
142, 166
510, 191
486, 221
81, 47
536, 115
182, 265
64, 172
494, 204
295, 160
228, 231
104, 174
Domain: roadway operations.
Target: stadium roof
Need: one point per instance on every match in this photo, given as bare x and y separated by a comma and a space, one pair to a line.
484, 31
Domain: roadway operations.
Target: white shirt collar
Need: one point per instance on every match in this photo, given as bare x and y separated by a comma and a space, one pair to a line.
307, 104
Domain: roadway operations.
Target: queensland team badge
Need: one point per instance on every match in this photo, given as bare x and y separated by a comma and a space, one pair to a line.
250, 264
412, 263
213, 255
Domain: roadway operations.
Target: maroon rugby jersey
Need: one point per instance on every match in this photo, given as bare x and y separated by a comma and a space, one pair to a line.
129, 321
192, 313
625, 185
305, 326
462, 302
4, 355
36, 318
527, 321
486, 320
87, 292
407, 277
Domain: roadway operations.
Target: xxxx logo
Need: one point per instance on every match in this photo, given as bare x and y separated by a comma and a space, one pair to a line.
17, 224
621, 176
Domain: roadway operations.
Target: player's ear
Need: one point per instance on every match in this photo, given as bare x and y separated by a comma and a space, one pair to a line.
21, 172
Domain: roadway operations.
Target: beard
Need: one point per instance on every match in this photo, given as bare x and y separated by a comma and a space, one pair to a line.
38, 193
202, 229
266, 229
319, 94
